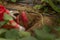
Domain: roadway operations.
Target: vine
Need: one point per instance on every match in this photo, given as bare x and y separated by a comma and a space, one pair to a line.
50, 2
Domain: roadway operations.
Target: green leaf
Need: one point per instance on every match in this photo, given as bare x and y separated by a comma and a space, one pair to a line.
46, 29
38, 6
15, 34
13, 0
2, 31
44, 1
28, 38
6, 39
12, 34
3, 23
41, 35
58, 39
7, 17
46, 9
24, 34
2, 39
54, 7
57, 29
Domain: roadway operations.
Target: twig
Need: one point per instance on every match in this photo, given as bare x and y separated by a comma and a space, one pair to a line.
40, 22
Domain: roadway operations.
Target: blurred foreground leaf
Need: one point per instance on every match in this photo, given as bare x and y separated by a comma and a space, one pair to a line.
13, 0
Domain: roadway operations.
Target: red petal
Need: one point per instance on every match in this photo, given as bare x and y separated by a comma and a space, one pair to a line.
7, 11
24, 19
2, 9
1, 17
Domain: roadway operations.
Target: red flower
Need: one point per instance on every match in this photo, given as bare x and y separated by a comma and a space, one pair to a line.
24, 19
2, 10
7, 11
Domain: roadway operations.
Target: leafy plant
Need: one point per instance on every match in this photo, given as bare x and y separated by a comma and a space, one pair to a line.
29, 38
14, 34
38, 6
45, 33
39, 34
